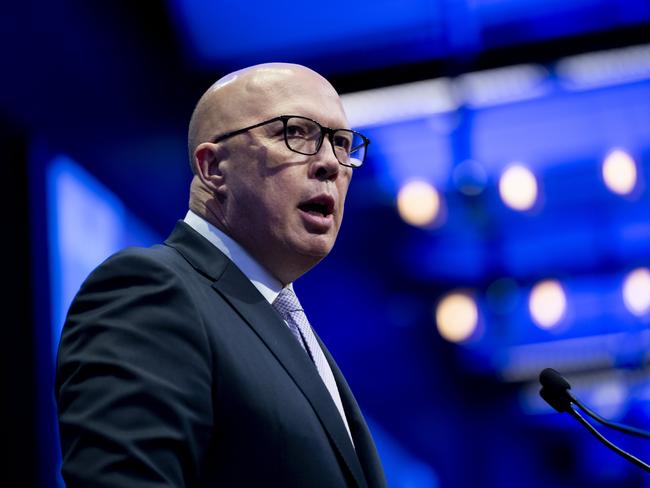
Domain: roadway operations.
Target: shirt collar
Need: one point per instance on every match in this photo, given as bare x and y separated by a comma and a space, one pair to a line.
265, 283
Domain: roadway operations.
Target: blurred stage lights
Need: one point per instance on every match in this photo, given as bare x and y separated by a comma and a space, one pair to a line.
636, 291
547, 304
518, 187
457, 316
457, 313
619, 172
418, 203
470, 177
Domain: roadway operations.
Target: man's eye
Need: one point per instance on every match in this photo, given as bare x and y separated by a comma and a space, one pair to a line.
343, 142
295, 131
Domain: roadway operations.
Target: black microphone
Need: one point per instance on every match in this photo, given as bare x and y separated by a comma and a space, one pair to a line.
555, 391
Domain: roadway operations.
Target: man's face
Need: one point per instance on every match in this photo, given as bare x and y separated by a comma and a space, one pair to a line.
285, 208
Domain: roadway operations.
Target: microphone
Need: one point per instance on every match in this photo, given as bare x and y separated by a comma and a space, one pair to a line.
555, 392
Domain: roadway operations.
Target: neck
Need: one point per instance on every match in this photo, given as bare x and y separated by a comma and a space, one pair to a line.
284, 267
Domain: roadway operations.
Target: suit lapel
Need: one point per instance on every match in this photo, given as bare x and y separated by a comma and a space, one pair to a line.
242, 295
363, 442
270, 328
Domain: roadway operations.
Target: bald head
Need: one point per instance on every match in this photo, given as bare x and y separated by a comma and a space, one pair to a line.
244, 97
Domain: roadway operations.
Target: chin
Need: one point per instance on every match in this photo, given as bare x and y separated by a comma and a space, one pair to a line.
316, 248
315, 252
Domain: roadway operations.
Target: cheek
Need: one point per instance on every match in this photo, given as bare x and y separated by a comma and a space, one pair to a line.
276, 206
343, 189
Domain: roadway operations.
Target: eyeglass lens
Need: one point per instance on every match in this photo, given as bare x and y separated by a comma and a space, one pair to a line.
304, 136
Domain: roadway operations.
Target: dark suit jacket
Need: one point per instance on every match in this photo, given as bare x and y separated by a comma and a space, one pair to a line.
173, 370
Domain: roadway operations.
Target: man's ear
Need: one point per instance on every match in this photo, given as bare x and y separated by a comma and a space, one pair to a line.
207, 166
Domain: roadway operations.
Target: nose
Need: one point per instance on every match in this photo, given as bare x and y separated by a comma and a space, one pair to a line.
324, 165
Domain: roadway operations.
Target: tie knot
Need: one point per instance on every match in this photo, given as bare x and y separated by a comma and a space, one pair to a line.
287, 302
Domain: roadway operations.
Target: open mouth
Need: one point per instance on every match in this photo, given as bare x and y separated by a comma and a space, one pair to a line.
322, 205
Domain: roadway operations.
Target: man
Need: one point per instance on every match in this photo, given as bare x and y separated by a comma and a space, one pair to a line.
192, 363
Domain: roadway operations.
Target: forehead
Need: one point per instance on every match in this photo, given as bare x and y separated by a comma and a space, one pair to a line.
294, 93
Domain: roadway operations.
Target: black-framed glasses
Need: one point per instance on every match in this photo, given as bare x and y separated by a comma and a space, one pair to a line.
305, 136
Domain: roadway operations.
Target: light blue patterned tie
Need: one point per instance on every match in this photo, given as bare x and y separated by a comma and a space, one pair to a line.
289, 308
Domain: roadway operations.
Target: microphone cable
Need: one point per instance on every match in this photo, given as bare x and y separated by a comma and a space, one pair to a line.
555, 392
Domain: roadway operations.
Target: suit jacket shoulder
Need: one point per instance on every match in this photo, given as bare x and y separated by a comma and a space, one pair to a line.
128, 393
174, 371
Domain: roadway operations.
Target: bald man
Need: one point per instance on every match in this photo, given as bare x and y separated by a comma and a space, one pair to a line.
192, 363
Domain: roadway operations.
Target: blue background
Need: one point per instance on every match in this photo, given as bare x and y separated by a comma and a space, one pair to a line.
100, 94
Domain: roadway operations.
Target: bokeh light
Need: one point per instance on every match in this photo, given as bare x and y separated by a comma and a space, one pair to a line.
547, 303
610, 397
518, 187
418, 203
619, 172
470, 177
457, 316
636, 291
